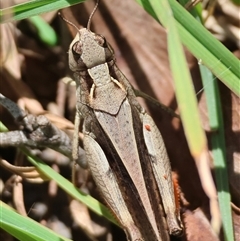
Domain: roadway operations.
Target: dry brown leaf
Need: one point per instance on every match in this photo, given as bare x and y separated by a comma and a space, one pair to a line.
200, 229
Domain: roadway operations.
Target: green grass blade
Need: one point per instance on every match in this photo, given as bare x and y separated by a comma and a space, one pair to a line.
32, 8
218, 149
183, 84
185, 93
24, 228
68, 187
209, 89
193, 35
45, 32
204, 46
218, 146
3, 128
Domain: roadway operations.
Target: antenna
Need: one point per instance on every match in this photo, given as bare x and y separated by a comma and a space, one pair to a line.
90, 17
69, 22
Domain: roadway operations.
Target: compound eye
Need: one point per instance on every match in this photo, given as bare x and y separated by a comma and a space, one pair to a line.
101, 40
76, 54
77, 50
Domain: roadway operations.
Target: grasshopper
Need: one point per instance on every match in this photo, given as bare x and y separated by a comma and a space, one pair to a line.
124, 148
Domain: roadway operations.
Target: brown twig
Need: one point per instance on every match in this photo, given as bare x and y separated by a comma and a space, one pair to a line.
37, 132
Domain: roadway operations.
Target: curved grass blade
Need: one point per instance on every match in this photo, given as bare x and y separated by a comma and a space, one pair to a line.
68, 187
24, 228
32, 8
203, 45
45, 32
183, 83
187, 102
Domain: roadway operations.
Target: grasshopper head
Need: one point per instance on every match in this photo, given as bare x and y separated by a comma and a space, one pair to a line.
88, 50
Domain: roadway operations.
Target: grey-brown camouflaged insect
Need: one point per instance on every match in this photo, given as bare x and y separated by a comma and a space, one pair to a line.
124, 148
